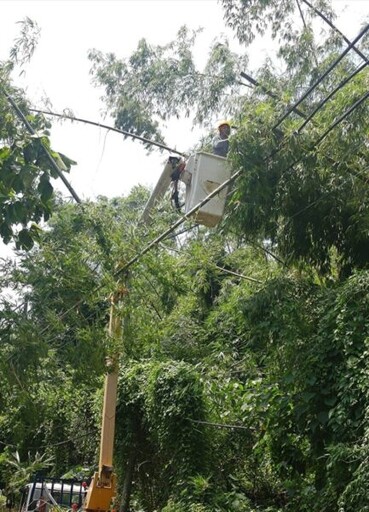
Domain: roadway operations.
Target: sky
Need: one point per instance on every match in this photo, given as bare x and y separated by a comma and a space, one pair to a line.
107, 164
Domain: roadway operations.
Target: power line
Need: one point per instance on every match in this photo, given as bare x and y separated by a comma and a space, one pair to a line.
321, 78
236, 274
316, 143
66, 441
310, 205
342, 117
100, 236
329, 22
307, 119
59, 443
305, 27
331, 94
53, 164
152, 244
267, 251
268, 92
111, 128
331, 127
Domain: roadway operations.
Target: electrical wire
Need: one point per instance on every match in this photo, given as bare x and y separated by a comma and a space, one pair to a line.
342, 117
268, 92
329, 22
306, 118
309, 118
242, 276
331, 127
111, 128
321, 78
318, 141
316, 201
167, 232
331, 94
305, 27
152, 244
51, 160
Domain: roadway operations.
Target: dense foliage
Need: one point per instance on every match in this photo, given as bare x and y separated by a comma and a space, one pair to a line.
243, 379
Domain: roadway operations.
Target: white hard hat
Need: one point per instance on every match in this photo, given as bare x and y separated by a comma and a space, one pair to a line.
223, 122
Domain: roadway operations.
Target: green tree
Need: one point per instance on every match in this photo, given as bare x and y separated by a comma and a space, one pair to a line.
159, 82
53, 345
26, 190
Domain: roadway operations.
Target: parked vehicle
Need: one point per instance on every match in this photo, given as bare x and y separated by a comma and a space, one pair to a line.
46, 495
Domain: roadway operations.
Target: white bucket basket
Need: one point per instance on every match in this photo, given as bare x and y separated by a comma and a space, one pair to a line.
207, 172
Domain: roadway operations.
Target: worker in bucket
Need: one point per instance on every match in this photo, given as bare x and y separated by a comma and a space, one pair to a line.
220, 141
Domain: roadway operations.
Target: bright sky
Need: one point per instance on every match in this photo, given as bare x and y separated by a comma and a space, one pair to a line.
108, 164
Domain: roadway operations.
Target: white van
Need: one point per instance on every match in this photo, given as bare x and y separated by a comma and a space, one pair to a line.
43, 496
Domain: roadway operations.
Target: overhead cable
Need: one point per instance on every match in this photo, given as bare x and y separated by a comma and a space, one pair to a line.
309, 118
332, 93
331, 127
342, 117
321, 78
221, 425
236, 274
111, 128
329, 22
316, 201
268, 92
152, 244
314, 145
305, 26
306, 118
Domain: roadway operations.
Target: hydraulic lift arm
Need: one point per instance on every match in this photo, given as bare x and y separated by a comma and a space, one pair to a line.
101, 491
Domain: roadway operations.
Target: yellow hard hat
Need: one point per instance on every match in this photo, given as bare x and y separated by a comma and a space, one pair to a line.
223, 122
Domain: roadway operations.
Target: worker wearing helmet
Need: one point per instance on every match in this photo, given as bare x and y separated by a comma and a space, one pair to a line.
220, 141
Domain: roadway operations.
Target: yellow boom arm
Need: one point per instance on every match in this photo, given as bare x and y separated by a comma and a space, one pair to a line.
101, 491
